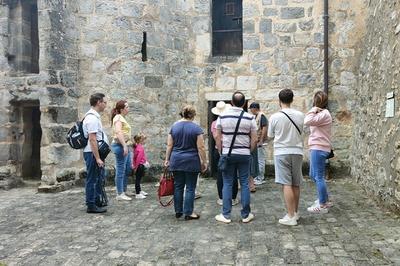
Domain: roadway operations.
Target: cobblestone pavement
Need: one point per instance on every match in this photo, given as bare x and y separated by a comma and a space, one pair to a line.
53, 229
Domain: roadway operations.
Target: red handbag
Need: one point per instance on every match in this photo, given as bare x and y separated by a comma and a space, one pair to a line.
166, 188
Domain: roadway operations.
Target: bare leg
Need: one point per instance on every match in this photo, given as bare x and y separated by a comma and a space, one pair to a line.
296, 192
289, 196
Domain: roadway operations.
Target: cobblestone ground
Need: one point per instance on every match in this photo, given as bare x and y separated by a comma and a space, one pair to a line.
53, 229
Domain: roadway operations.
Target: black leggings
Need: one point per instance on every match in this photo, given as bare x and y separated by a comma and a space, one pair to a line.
139, 174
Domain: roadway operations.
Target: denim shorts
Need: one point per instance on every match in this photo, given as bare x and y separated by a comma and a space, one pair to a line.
288, 169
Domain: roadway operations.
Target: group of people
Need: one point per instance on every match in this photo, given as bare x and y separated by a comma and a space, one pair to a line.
239, 137
129, 153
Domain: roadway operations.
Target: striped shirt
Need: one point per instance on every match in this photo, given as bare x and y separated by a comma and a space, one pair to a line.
227, 123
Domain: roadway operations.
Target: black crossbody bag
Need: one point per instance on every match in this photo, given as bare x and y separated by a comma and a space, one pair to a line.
224, 159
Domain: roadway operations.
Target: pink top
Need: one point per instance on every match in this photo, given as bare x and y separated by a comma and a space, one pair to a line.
139, 156
320, 122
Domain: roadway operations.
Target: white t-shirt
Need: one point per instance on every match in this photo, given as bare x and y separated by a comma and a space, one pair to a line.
92, 124
287, 139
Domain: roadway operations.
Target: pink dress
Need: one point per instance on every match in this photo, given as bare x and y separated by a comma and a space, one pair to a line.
139, 156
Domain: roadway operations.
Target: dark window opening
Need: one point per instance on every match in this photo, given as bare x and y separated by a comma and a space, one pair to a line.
211, 141
23, 48
144, 47
27, 138
227, 28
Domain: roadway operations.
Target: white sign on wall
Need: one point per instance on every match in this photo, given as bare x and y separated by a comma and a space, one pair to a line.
389, 104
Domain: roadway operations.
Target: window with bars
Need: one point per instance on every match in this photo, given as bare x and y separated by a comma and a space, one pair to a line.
227, 28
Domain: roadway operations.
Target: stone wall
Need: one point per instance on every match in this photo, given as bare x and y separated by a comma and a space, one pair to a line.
376, 146
54, 88
283, 48
97, 46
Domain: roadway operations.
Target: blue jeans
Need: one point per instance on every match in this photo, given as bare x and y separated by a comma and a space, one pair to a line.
317, 173
181, 179
238, 167
122, 167
94, 177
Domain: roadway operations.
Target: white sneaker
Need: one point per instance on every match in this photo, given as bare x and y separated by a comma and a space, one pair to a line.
297, 216
123, 197
318, 209
258, 182
221, 218
286, 220
219, 202
235, 202
329, 204
140, 196
144, 193
248, 219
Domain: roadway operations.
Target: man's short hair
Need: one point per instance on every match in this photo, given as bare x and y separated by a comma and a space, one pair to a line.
238, 99
255, 105
286, 96
95, 98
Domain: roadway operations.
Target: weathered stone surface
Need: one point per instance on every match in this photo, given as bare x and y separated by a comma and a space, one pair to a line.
251, 43
153, 82
266, 26
63, 115
292, 12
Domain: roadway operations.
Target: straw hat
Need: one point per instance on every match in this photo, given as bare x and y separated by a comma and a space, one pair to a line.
220, 108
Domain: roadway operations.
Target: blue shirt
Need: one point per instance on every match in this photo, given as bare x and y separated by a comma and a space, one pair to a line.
184, 155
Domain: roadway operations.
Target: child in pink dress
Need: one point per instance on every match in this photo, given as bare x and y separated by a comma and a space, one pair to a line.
139, 164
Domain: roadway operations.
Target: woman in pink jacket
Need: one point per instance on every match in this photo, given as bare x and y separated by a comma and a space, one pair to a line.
320, 121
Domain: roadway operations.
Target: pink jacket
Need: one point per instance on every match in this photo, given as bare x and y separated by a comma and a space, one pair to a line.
139, 156
321, 129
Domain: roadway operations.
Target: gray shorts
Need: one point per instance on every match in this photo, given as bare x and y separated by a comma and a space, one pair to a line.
288, 169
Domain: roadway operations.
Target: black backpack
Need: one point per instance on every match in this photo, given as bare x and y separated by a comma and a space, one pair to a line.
75, 136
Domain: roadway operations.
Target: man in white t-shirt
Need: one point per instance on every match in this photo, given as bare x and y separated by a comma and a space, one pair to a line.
93, 130
286, 127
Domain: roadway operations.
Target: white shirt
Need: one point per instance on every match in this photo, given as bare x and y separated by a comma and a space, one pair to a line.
287, 139
92, 124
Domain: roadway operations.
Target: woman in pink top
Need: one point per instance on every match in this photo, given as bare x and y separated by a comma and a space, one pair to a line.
320, 121
139, 164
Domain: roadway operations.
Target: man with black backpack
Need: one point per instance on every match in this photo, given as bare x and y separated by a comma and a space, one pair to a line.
93, 131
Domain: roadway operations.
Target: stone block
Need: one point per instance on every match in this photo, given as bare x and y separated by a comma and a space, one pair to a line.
132, 81
68, 78
108, 50
203, 43
86, 7
57, 134
106, 8
131, 10
281, 2
65, 175
313, 53
248, 26
285, 40
247, 82
318, 38
56, 95
98, 66
134, 37
292, 12
347, 78
265, 26
122, 23
201, 25
59, 154
270, 40
90, 35
260, 68
4, 152
306, 25
153, 82
202, 6
225, 83
251, 10
285, 27
270, 12
267, 2
305, 79
251, 43
63, 115
88, 50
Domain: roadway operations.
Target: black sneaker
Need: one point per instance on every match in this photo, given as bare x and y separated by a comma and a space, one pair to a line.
96, 210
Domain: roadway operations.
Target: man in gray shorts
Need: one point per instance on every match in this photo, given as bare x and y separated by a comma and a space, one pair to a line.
286, 127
